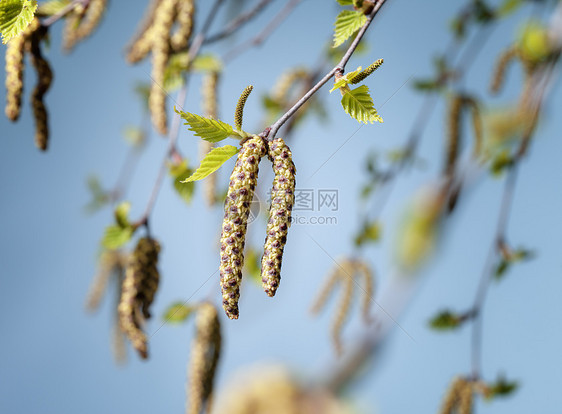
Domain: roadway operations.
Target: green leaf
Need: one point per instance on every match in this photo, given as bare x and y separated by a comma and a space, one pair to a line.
359, 105
444, 321
178, 312
212, 130
345, 80
116, 236
370, 232
347, 23
52, 7
15, 16
122, 214
99, 196
173, 74
501, 388
345, 2
134, 135
212, 162
207, 63
181, 172
509, 6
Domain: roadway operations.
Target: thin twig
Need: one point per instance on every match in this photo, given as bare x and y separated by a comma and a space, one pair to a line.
264, 34
176, 121
63, 12
238, 22
339, 68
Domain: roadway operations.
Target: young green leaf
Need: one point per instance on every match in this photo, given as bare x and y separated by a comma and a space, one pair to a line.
116, 236
347, 23
212, 162
207, 63
345, 2
212, 130
359, 105
444, 321
15, 16
178, 312
501, 388
134, 135
345, 80
181, 173
370, 232
122, 214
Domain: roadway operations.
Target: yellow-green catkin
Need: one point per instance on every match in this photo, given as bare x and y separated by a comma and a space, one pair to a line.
141, 44
341, 273
465, 399
71, 22
210, 110
236, 212
363, 268
283, 86
185, 10
110, 262
91, 20
205, 353
163, 22
344, 306
453, 135
366, 72
452, 397
282, 200
239, 112
137, 292
15, 50
44, 80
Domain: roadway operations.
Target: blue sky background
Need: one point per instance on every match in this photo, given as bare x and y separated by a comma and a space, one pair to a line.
56, 358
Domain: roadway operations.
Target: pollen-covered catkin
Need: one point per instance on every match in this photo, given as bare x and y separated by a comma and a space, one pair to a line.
70, 29
282, 200
137, 292
205, 353
163, 22
236, 212
502, 63
368, 290
239, 112
92, 18
110, 262
44, 80
465, 399
366, 72
209, 107
346, 278
451, 399
141, 43
185, 10
15, 50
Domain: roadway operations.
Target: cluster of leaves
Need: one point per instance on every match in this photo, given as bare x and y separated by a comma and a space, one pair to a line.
122, 230
509, 258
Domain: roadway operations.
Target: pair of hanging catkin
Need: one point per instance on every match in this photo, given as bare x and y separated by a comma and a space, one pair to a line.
138, 290
237, 210
343, 273
156, 36
28, 41
81, 22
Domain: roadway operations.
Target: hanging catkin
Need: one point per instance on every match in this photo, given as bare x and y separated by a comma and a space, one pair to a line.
185, 10
71, 23
163, 22
141, 44
15, 65
44, 80
110, 262
452, 397
82, 22
236, 211
137, 292
205, 353
282, 200
210, 110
